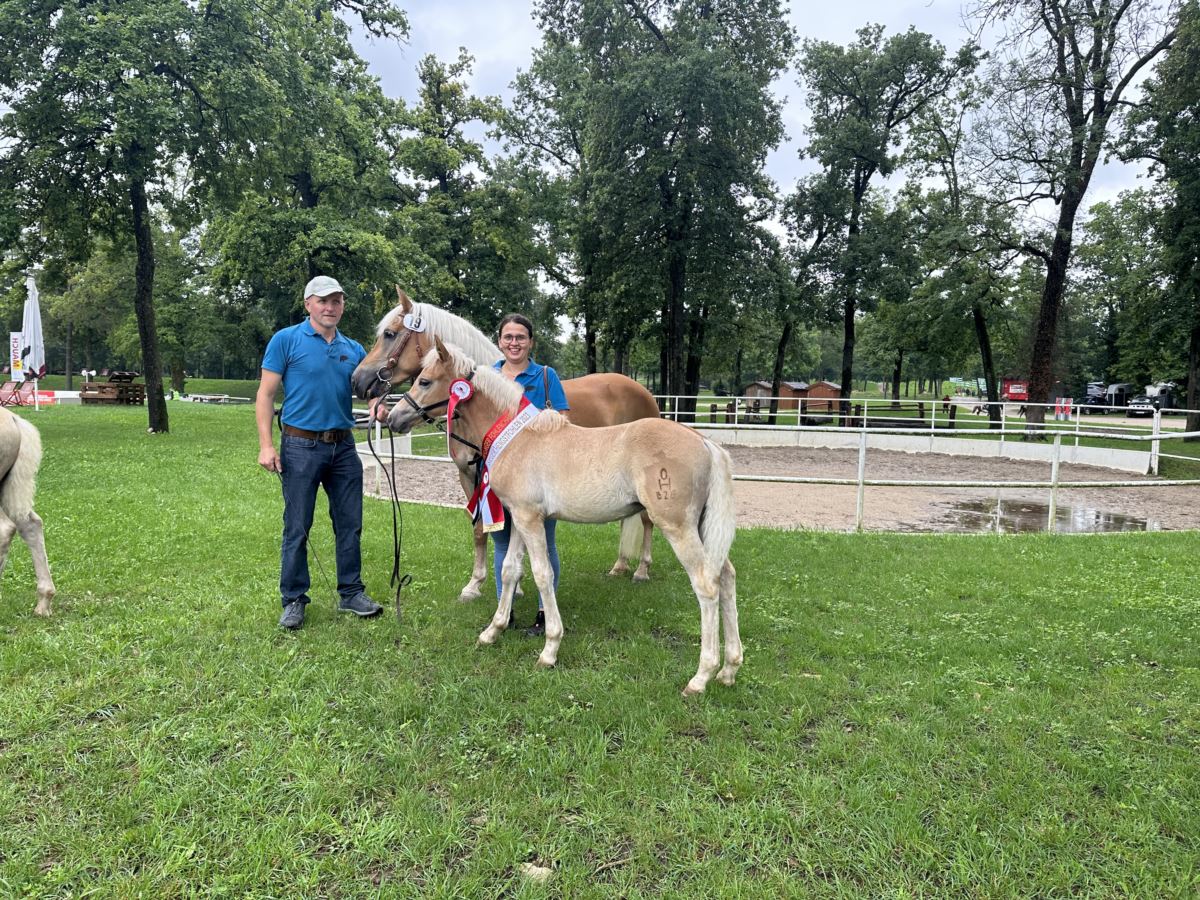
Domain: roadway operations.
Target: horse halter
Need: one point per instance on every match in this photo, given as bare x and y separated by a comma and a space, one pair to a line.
424, 413
384, 373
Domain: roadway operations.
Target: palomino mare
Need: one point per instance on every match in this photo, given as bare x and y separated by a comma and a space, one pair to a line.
20, 456
553, 468
595, 400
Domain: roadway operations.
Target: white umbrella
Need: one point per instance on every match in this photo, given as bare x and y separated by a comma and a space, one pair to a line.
33, 349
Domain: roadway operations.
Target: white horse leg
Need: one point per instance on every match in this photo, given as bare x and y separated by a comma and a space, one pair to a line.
510, 574
729, 624
533, 530
643, 570
479, 569
688, 547
7, 529
32, 534
637, 532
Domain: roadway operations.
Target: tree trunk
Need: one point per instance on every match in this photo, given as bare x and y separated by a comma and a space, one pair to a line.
1193, 377
589, 342
695, 359
989, 365
1041, 366
897, 371
781, 347
69, 362
143, 301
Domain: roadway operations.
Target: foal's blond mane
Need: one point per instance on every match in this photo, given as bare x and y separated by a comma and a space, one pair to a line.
450, 328
491, 384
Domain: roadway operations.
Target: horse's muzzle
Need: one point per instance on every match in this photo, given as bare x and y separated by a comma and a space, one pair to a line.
368, 385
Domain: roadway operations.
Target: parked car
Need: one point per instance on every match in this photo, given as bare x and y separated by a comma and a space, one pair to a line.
1092, 405
1141, 405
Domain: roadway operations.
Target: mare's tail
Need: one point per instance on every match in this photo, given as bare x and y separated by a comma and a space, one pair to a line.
718, 521
17, 488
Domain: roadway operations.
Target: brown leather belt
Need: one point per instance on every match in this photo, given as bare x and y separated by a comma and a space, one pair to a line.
332, 436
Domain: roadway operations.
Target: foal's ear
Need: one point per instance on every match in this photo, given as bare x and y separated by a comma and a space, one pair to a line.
406, 305
442, 352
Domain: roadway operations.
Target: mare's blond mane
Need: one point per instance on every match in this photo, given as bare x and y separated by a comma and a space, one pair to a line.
451, 329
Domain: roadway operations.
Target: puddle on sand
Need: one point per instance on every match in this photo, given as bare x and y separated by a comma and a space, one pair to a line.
1011, 516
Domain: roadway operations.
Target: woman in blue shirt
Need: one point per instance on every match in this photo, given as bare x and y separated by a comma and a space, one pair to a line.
544, 390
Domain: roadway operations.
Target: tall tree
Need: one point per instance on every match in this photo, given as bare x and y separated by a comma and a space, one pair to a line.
117, 109
678, 118
1059, 77
863, 98
1167, 131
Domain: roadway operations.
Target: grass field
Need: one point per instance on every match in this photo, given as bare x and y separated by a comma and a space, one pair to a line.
928, 715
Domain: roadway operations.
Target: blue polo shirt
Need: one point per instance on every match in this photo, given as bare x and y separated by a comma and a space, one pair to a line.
316, 376
535, 385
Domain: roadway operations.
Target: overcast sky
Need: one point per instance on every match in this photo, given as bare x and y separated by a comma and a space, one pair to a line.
500, 35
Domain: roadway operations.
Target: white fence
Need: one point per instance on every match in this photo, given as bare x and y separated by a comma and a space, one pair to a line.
865, 432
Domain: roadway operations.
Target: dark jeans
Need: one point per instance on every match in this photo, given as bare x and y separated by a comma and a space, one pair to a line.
337, 468
500, 541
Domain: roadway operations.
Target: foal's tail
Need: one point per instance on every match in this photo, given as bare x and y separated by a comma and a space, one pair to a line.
17, 487
718, 520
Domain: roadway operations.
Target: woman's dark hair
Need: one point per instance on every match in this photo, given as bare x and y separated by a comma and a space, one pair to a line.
520, 320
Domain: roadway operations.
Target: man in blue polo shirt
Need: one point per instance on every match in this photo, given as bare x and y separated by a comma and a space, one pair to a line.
313, 362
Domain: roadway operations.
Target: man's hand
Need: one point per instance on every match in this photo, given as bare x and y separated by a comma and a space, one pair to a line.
379, 409
268, 458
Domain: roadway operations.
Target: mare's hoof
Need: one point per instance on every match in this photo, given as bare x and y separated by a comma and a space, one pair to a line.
545, 664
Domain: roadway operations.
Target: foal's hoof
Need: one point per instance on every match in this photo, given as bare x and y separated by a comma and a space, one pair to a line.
468, 594
42, 610
640, 575
727, 676
618, 570
487, 637
693, 688
543, 663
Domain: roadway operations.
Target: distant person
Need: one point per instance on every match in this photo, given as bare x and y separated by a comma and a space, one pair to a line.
544, 390
313, 362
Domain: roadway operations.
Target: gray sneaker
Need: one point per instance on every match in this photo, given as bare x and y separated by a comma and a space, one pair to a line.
293, 615
362, 605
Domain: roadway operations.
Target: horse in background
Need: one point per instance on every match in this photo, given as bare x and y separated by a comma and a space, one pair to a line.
406, 334
683, 481
20, 456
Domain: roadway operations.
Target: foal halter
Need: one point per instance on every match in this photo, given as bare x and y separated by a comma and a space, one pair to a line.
424, 413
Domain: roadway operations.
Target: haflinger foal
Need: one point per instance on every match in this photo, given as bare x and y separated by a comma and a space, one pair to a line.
540, 466
20, 456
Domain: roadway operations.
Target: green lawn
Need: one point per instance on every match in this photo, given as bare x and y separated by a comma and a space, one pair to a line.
931, 715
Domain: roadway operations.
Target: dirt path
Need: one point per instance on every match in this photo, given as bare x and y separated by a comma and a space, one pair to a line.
831, 507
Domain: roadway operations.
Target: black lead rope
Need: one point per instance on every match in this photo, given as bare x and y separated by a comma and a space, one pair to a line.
398, 581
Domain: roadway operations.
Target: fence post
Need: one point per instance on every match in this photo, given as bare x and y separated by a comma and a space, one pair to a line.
862, 472
1050, 524
1003, 425
1154, 444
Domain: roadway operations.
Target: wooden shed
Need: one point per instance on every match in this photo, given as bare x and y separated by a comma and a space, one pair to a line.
790, 393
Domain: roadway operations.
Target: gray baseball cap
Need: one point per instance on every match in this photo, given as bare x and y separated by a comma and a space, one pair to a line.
322, 286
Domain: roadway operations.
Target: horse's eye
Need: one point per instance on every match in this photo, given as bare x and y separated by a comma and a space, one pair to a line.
424, 382
389, 335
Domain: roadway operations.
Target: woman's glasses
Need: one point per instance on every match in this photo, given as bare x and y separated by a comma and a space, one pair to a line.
514, 339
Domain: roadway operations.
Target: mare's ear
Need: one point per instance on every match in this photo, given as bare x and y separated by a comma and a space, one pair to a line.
406, 305
443, 353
